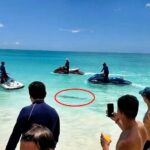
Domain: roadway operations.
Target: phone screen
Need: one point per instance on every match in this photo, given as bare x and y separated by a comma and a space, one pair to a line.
110, 109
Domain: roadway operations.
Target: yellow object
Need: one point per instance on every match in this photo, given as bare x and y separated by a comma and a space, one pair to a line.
107, 137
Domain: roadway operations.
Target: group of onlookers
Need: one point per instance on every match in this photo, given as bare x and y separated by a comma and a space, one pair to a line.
135, 135
38, 124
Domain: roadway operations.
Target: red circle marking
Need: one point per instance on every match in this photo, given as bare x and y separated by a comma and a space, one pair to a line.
74, 105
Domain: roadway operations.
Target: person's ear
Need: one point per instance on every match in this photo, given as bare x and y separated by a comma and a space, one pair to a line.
148, 115
32, 100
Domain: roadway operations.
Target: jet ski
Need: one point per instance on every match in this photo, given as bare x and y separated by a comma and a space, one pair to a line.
61, 70
11, 84
99, 79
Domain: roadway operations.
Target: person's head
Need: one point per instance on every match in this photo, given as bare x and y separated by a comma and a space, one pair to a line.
3, 63
104, 64
145, 93
128, 106
38, 138
37, 90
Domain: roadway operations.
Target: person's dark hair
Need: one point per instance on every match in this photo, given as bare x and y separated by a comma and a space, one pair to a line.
37, 90
128, 104
3, 63
104, 64
41, 136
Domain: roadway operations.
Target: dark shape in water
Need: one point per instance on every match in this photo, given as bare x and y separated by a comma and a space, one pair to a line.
72, 97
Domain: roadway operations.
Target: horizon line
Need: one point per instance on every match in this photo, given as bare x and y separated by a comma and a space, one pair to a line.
124, 52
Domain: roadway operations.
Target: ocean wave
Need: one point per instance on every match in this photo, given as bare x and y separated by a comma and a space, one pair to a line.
138, 85
90, 73
116, 74
129, 75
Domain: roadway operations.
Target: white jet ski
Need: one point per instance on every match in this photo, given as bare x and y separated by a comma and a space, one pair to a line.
11, 84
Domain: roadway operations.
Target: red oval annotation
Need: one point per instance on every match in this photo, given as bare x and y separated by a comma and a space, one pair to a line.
75, 105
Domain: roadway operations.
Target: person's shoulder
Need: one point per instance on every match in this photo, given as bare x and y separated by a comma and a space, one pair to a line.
129, 139
143, 131
141, 126
24, 112
126, 144
50, 107
26, 108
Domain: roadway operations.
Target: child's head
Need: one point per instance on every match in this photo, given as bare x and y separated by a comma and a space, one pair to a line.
38, 138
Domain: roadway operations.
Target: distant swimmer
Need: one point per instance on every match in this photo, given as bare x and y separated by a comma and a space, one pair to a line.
105, 72
67, 66
4, 75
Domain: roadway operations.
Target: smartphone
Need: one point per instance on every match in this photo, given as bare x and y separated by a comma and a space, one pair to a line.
110, 109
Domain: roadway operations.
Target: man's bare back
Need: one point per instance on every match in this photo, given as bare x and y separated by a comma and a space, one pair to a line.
132, 138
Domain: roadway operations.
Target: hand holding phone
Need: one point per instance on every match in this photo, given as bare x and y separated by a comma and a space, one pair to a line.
110, 109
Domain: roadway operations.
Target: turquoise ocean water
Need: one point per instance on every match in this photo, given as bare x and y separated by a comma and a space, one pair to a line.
80, 127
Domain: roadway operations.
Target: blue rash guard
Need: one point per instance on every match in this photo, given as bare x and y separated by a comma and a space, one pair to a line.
39, 113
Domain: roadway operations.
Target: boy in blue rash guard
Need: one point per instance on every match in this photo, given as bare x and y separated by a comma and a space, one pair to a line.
38, 112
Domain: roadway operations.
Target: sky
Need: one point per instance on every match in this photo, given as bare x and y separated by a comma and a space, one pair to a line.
76, 25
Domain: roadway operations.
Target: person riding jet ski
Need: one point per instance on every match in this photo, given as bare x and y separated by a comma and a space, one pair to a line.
4, 75
67, 66
105, 72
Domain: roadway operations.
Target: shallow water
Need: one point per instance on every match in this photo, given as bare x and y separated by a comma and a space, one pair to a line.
80, 127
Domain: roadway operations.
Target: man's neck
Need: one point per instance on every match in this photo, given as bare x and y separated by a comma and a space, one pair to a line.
129, 124
38, 101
